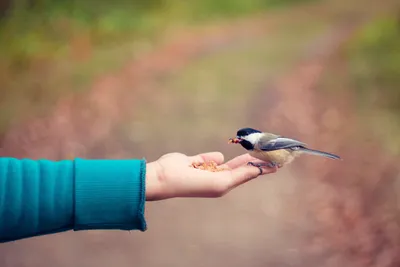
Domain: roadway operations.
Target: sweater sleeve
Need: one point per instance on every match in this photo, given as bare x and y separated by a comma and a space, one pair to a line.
39, 197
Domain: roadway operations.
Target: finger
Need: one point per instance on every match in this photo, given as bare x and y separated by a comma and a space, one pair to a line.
239, 161
218, 157
246, 173
216, 184
219, 183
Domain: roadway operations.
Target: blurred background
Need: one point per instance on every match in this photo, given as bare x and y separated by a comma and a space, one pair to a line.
139, 79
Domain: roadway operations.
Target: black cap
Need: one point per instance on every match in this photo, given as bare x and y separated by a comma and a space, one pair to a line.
246, 131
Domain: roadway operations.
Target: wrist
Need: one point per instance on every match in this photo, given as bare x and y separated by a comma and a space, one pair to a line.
152, 181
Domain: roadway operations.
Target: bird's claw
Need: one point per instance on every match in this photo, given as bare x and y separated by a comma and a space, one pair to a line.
256, 165
253, 164
272, 164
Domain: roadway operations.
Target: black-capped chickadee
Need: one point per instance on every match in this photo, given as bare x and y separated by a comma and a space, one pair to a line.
275, 150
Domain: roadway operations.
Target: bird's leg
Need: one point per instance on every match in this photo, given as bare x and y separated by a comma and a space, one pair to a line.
270, 164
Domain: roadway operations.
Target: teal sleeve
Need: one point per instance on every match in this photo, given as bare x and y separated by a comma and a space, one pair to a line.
40, 197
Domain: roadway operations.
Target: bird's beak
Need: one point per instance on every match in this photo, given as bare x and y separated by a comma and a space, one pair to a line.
234, 140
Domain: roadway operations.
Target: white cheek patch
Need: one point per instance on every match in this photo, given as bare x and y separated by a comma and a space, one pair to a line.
253, 138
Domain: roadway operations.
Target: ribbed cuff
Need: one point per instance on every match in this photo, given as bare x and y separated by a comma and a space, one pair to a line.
110, 194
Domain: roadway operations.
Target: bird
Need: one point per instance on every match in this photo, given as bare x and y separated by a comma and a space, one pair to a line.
274, 150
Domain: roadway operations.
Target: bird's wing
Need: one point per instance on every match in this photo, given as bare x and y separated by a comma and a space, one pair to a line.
279, 143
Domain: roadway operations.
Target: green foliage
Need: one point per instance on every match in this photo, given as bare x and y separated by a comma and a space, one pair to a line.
210, 8
45, 27
375, 62
374, 58
28, 31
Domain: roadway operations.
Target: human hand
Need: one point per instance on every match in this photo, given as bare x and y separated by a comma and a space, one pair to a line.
172, 176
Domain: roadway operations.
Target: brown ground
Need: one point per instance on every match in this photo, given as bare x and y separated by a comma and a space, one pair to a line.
313, 213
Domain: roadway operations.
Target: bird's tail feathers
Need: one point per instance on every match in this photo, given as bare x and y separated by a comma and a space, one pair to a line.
319, 153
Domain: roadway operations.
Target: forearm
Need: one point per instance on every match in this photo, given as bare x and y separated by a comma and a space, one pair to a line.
41, 197
36, 197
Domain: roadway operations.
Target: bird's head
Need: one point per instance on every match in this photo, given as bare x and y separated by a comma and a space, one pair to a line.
247, 137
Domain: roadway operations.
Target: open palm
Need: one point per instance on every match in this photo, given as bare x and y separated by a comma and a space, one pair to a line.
172, 176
